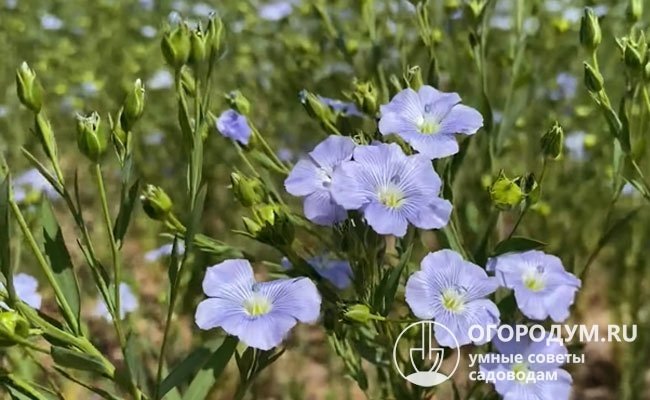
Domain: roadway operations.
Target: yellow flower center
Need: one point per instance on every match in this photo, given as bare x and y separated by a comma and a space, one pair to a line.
429, 127
453, 300
257, 305
391, 197
521, 372
534, 280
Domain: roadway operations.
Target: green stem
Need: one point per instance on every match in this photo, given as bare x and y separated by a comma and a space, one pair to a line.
117, 270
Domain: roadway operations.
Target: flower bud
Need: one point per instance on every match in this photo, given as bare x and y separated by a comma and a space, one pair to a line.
91, 137
360, 313
364, 95
45, 135
632, 58
505, 193
529, 187
590, 34
198, 44
29, 89
413, 77
552, 141
271, 226
214, 35
133, 105
239, 102
176, 45
316, 108
12, 324
248, 191
593, 79
634, 10
156, 203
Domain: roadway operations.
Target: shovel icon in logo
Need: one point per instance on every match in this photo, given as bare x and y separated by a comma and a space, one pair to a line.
424, 353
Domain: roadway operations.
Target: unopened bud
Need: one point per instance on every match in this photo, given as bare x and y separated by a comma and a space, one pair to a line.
12, 325
91, 137
176, 46
214, 35
634, 10
316, 108
505, 193
364, 95
360, 313
272, 225
552, 141
198, 46
239, 102
248, 191
593, 79
29, 89
590, 34
413, 77
156, 203
632, 58
133, 105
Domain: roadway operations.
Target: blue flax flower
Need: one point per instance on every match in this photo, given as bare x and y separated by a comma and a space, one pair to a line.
260, 314
453, 292
233, 125
312, 178
523, 386
338, 272
428, 120
128, 304
26, 287
345, 108
391, 189
542, 287
30, 183
164, 251
275, 11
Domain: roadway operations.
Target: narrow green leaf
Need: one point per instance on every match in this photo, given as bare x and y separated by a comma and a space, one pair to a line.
5, 234
207, 376
101, 392
127, 204
187, 368
60, 261
390, 282
134, 361
517, 243
76, 360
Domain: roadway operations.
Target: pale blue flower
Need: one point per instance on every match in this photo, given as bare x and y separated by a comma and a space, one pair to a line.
260, 314
337, 272
391, 189
275, 11
161, 79
529, 389
575, 145
344, 108
567, 86
285, 154
51, 22
453, 292
148, 31
233, 125
128, 304
31, 181
202, 10
543, 288
26, 287
164, 251
428, 120
311, 178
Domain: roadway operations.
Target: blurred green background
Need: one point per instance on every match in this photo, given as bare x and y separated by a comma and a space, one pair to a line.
87, 53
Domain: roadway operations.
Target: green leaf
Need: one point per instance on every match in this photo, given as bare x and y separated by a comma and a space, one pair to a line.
516, 244
390, 282
76, 360
60, 262
101, 392
207, 376
5, 234
187, 368
20, 389
134, 361
127, 204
